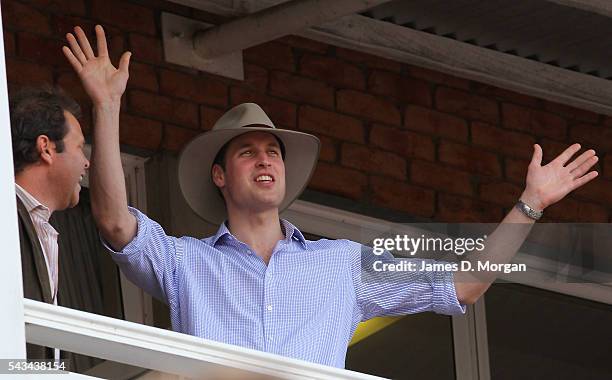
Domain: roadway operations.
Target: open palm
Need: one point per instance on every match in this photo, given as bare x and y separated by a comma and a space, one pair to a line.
548, 184
101, 80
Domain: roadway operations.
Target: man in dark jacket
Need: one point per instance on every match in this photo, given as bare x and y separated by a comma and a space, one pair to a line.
49, 164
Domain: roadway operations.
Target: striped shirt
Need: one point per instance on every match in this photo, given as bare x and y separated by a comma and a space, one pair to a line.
305, 304
47, 235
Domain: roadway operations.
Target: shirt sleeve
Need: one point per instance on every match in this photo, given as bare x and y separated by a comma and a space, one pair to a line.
389, 293
150, 259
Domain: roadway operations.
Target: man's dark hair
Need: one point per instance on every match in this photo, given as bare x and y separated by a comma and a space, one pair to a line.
35, 112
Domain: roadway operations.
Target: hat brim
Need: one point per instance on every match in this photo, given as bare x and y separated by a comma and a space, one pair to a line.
196, 159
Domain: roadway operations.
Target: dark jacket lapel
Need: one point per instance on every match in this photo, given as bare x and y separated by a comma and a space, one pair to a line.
36, 252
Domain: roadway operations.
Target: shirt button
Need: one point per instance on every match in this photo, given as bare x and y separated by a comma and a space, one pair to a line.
269, 307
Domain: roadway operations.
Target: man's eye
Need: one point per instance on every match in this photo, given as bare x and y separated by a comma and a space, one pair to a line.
273, 152
246, 153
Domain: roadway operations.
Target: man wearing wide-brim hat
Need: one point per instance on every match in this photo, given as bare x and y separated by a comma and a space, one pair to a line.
258, 282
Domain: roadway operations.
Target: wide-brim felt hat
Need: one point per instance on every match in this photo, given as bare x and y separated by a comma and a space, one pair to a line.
196, 160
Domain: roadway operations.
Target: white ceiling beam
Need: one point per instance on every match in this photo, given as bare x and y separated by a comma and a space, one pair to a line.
272, 23
468, 61
603, 7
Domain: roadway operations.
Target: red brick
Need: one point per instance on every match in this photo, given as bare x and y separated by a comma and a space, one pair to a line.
71, 7
539, 123
516, 170
333, 71
144, 48
26, 73
437, 77
368, 106
126, 16
608, 122
607, 165
209, 116
40, 49
9, 44
551, 149
71, 83
301, 89
469, 158
304, 44
441, 177
401, 196
143, 76
371, 61
164, 108
401, 89
460, 209
595, 136
334, 179
435, 123
467, 105
200, 89
175, 138
500, 140
571, 112
598, 190
271, 55
506, 95
140, 132
24, 17
373, 161
329, 151
318, 121
405, 143
504, 194
255, 77
571, 210
281, 112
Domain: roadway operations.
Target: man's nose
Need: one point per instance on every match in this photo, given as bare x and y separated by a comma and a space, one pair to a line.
86, 164
263, 160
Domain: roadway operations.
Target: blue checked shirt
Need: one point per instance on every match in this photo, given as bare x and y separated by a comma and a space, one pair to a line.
305, 304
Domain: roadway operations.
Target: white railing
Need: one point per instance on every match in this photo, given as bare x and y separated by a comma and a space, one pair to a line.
162, 350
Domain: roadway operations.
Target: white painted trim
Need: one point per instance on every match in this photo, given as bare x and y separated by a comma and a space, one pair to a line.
340, 224
272, 23
159, 349
602, 7
12, 344
467, 61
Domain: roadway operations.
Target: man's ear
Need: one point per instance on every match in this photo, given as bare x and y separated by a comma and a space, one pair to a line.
45, 148
218, 176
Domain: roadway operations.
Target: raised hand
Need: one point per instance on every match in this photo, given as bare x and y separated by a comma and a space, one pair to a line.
102, 81
548, 184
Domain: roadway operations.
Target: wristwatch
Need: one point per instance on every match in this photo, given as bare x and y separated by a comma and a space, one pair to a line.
527, 210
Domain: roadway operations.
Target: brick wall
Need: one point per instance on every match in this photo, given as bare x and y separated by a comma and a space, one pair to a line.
394, 136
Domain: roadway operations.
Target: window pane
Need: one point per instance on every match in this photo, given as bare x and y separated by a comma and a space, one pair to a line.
539, 334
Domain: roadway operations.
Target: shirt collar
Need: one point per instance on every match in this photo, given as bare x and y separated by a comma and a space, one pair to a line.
31, 203
291, 232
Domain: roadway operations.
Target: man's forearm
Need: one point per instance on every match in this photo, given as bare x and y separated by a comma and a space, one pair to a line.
109, 200
500, 248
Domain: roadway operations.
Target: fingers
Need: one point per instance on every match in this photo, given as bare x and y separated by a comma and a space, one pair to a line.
101, 40
584, 166
537, 155
584, 179
580, 159
124, 62
567, 154
76, 64
76, 49
84, 42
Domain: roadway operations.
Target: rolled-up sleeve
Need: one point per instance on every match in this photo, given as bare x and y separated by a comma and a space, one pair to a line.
381, 293
150, 259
